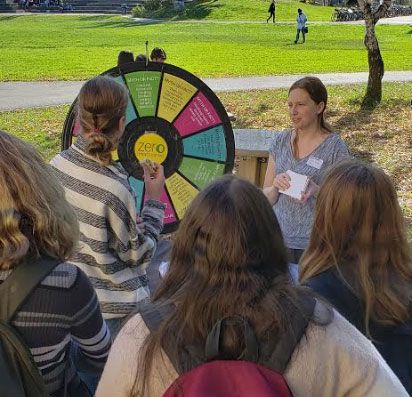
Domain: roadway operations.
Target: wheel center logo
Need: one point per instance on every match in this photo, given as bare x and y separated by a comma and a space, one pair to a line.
151, 146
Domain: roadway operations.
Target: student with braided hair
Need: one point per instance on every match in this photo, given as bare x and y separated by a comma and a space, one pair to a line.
113, 251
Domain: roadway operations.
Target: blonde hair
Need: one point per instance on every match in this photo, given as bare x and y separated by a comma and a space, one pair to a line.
359, 230
102, 103
35, 218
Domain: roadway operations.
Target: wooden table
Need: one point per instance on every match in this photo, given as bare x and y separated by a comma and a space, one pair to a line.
251, 149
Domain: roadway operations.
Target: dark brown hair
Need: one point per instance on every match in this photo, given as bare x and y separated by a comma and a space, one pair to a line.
158, 53
102, 103
318, 93
359, 230
141, 58
228, 259
125, 57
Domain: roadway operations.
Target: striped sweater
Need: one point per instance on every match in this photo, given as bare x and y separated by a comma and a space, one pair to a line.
113, 252
60, 313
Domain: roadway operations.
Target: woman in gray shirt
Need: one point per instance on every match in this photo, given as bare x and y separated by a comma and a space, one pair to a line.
309, 148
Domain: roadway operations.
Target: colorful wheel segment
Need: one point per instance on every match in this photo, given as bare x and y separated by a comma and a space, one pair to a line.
174, 119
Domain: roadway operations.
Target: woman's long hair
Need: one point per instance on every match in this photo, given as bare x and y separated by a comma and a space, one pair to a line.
102, 103
35, 218
228, 259
359, 230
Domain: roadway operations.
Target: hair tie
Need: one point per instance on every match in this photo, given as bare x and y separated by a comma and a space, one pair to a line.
96, 129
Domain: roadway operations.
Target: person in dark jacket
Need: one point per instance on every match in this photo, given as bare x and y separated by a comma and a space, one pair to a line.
359, 259
271, 11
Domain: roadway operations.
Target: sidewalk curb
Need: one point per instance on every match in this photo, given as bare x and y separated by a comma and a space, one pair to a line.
20, 95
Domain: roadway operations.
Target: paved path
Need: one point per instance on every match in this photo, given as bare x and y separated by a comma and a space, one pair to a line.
16, 95
403, 20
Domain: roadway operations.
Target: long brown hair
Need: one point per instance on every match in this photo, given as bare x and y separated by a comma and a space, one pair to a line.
318, 93
102, 103
359, 230
35, 218
228, 259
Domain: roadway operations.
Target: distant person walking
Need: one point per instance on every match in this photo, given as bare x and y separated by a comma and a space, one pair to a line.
301, 27
271, 11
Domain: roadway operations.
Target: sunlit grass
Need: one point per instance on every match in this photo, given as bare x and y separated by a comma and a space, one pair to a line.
78, 47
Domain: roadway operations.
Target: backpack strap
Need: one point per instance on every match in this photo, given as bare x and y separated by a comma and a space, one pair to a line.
212, 347
284, 348
153, 315
21, 282
279, 358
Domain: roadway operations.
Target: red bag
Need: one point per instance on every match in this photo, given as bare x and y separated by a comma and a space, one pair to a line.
223, 378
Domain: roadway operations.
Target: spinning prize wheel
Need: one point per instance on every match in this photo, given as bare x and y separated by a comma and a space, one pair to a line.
174, 119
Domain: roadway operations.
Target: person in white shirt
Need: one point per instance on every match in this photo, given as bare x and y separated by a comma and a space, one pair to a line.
301, 27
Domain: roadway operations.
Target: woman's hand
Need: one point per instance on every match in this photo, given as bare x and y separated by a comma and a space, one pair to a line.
311, 190
281, 181
140, 224
154, 180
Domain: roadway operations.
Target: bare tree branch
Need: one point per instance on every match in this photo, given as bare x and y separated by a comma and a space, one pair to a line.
361, 4
381, 11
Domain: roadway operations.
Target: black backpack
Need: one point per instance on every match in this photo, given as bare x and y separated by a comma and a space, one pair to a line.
18, 371
154, 315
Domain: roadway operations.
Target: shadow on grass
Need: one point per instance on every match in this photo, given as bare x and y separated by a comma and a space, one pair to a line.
396, 102
364, 155
95, 17
198, 9
401, 173
9, 17
126, 23
332, 113
240, 123
353, 118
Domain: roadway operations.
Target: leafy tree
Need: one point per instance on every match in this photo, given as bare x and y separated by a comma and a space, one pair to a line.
372, 15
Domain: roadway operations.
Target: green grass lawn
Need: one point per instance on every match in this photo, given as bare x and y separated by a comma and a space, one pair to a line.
243, 10
40, 47
40, 126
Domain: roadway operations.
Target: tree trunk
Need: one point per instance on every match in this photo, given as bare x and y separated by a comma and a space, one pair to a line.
373, 94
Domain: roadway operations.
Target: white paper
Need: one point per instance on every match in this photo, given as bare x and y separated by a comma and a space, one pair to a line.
163, 268
298, 184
